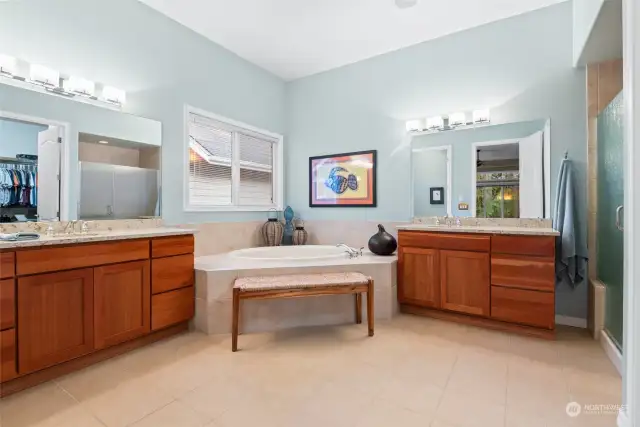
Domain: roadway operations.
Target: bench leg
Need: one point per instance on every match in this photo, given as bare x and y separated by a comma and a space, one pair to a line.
358, 308
370, 310
236, 315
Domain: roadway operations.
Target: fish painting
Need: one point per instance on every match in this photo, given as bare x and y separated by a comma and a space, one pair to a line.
339, 183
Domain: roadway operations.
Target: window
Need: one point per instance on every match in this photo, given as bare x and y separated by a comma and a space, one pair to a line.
231, 166
498, 194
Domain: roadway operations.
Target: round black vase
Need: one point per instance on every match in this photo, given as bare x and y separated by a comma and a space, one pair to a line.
382, 243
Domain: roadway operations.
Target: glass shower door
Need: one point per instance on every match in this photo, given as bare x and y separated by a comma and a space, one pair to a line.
610, 199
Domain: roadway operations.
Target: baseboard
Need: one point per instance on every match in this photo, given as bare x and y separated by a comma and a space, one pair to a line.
576, 322
611, 350
623, 419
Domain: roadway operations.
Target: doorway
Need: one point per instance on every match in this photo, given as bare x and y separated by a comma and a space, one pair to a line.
30, 168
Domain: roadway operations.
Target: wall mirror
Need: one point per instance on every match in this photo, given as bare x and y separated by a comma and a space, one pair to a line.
66, 160
494, 171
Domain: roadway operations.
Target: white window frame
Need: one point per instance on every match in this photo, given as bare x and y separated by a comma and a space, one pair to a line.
277, 175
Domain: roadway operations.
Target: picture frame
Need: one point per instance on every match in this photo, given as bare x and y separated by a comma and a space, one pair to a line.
343, 180
436, 195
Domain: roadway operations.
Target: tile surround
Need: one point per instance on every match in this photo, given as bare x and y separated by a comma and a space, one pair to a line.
415, 372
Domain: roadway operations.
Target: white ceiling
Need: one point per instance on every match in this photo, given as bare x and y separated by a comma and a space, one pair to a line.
297, 38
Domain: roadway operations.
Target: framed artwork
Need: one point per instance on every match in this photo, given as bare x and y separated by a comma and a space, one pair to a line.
436, 196
343, 180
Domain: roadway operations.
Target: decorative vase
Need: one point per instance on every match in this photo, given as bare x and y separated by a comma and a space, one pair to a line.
382, 243
272, 230
300, 235
287, 238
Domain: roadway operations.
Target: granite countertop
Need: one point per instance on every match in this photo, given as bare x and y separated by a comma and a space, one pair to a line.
97, 236
484, 229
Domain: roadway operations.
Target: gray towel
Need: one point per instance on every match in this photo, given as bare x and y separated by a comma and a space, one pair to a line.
571, 250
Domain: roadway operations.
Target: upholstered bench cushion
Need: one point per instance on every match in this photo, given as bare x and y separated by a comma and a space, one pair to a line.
299, 281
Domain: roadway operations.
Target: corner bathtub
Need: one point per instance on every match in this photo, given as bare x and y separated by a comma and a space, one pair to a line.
215, 276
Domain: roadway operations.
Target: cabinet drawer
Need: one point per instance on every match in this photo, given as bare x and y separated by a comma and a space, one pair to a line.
169, 246
7, 264
8, 369
531, 308
79, 256
445, 240
172, 307
7, 304
524, 245
523, 272
171, 273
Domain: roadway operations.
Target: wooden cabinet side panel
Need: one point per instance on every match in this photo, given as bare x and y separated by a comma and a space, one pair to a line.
7, 264
8, 369
172, 307
465, 282
419, 276
44, 260
7, 304
55, 318
172, 273
122, 300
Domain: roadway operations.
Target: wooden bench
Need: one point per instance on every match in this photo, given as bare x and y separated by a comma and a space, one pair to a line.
302, 285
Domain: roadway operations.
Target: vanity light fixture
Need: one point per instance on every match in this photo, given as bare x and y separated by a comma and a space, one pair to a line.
113, 95
481, 116
457, 119
435, 123
44, 75
80, 86
8, 65
415, 125
102, 141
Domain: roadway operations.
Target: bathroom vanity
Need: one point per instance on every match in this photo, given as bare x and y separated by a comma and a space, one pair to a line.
502, 278
69, 302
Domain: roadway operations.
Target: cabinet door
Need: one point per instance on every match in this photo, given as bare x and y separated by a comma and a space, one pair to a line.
55, 318
122, 299
464, 279
419, 278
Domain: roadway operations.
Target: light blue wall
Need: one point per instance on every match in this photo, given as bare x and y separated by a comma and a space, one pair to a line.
18, 138
585, 13
520, 67
161, 64
461, 143
429, 170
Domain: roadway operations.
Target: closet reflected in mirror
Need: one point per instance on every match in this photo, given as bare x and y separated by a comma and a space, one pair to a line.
491, 171
29, 170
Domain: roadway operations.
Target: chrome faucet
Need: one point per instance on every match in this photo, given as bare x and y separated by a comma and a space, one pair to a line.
353, 252
73, 227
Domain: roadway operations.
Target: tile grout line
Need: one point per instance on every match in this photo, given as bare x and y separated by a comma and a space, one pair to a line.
65, 391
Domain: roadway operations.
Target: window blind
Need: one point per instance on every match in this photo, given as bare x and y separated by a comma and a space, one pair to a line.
229, 165
256, 171
210, 163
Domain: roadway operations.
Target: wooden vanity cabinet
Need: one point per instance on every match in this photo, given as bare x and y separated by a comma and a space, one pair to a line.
500, 281
419, 276
55, 318
464, 281
68, 306
122, 302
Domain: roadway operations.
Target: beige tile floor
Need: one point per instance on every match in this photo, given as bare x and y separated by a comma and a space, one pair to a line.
414, 372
